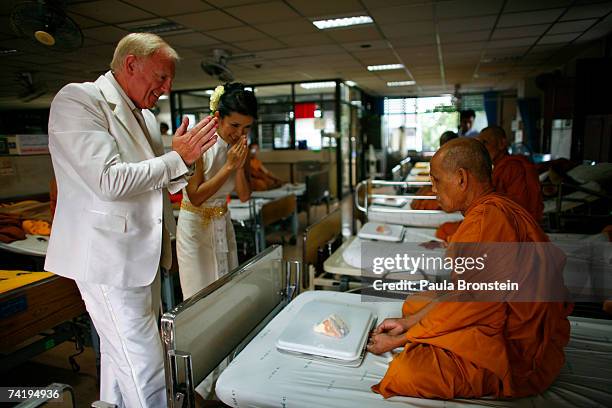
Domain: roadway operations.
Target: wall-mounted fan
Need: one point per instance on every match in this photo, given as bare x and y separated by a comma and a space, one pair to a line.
32, 88
45, 23
216, 64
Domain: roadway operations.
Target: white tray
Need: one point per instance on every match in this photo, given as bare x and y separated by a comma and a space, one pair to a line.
390, 232
300, 338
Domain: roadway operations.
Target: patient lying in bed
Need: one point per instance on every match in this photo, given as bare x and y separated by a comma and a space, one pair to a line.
468, 349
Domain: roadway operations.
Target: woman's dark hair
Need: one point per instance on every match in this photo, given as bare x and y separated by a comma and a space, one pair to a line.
236, 99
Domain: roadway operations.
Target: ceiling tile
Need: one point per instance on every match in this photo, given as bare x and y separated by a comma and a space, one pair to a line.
417, 28
523, 31
206, 20
413, 41
461, 8
588, 11
466, 24
321, 50
109, 11
189, 40
84, 22
367, 46
467, 36
311, 8
526, 5
231, 35
529, 18
402, 13
263, 12
106, 34
571, 26
228, 3
349, 35
306, 39
558, 38
277, 54
515, 42
169, 8
288, 27
260, 45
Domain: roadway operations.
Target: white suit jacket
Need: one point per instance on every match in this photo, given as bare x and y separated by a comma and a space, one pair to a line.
112, 185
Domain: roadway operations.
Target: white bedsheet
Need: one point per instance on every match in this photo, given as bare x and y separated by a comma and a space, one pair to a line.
33, 245
297, 189
412, 219
263, 377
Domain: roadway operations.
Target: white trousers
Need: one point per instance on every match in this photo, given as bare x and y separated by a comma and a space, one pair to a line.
132, 366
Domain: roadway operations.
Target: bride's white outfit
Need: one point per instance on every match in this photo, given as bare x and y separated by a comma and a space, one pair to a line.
205, 241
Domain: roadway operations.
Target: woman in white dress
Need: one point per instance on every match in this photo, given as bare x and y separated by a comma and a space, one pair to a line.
205, 240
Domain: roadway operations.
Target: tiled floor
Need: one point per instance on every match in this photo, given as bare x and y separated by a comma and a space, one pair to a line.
53, 365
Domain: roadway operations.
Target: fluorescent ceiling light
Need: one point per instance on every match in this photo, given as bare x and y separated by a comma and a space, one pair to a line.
385, 67
342, 22
248, 88
318, 85
401, 83
209, 92
350, 83
162, 97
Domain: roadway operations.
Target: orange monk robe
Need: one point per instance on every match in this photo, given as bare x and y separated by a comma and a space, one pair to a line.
476, 349
259, 180
517, 178
425, 204
446, 231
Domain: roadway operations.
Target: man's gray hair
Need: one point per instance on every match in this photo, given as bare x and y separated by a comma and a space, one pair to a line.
140, 45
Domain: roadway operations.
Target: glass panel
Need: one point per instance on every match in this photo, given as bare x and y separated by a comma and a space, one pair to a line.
345, 144
275, 135
196, 99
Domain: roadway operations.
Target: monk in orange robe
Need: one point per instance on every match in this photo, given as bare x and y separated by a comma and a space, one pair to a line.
513, 176
470, 349
426, 190
261, 179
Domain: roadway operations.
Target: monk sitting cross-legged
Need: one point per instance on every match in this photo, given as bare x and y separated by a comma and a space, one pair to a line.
469, 349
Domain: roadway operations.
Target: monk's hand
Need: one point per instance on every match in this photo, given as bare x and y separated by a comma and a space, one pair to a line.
382, 343
191, 144
434, 244
392, 327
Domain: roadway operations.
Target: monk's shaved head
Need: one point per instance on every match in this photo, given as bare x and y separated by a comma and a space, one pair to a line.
496, 132
494, 140
466, 153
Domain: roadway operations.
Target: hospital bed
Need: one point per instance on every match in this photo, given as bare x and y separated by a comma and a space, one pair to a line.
395, 209
261, 376
217, 322
251, 218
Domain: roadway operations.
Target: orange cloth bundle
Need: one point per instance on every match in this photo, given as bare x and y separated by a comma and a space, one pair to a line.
36, 227
10, 229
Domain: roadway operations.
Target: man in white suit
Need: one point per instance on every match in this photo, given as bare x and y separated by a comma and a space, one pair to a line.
113, 218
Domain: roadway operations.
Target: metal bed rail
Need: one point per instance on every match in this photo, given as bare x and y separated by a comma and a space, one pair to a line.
368, 197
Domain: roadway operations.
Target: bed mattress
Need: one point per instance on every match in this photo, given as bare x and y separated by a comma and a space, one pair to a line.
424, 219
261, 376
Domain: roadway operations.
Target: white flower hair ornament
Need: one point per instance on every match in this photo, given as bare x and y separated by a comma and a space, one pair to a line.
215, 97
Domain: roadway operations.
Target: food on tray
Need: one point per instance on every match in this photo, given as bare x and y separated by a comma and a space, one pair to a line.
383, 229
332, 326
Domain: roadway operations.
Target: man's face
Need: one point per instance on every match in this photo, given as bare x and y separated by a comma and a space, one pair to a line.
234, 126
466, 123
494, 146
150, 77
446, 185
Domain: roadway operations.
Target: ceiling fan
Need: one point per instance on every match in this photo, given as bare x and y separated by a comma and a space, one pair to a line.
216, 64
46, 23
